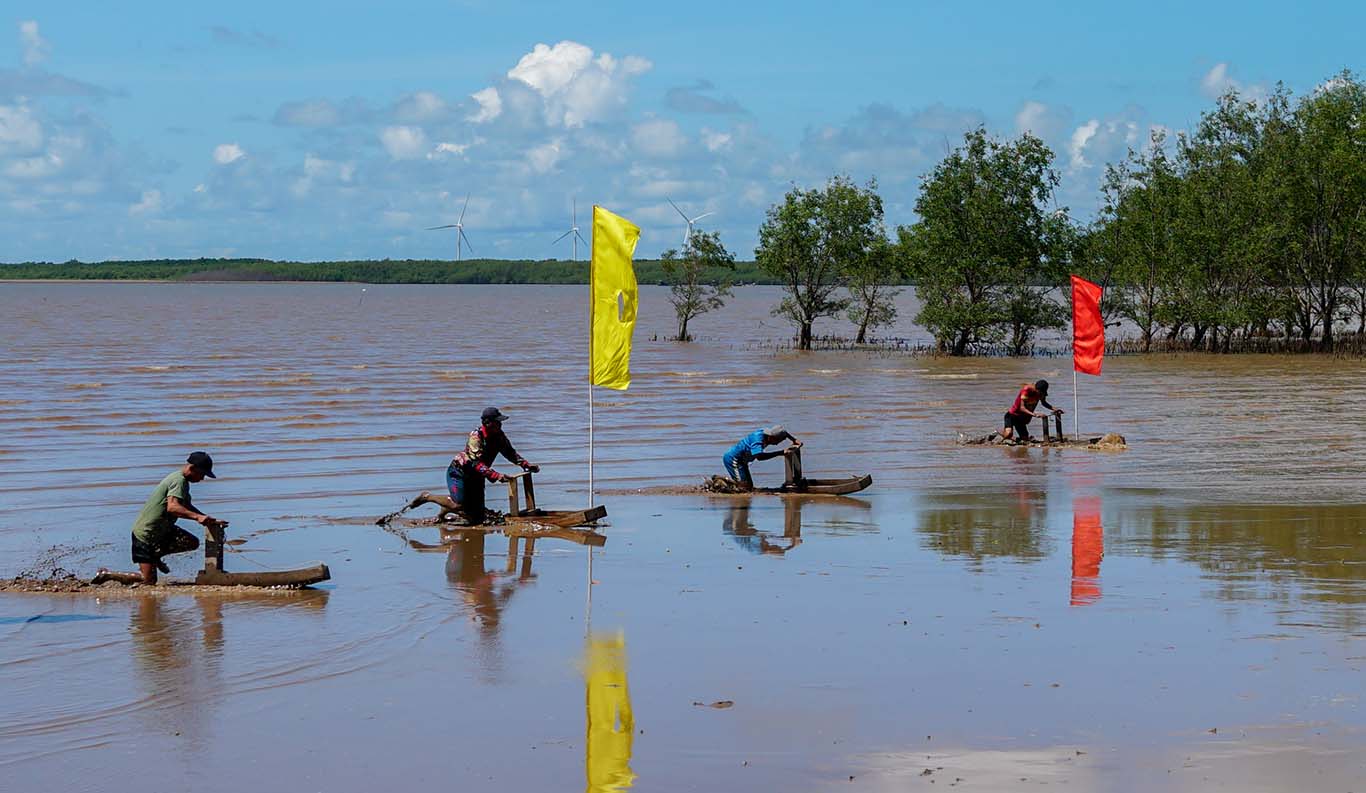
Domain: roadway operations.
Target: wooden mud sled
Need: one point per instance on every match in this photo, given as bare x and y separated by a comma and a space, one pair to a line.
526, 523
531, 514
794, 481
213, 573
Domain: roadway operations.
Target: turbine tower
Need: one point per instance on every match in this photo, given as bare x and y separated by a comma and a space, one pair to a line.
459, 227
687, 235
573, 232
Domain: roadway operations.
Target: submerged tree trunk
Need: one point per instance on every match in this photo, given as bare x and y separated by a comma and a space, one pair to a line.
804, 342
683, 329
862, 332
960, 346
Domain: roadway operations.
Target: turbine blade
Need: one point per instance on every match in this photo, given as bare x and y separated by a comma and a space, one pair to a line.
676, 209
580, 236
447, 226
699, 217
467, 240
562, 236
463, 208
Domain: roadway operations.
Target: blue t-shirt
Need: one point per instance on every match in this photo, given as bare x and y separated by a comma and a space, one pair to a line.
748, 447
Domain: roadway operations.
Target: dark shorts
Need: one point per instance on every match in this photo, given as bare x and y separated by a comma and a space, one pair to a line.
467, 489
1020, 423
178, 541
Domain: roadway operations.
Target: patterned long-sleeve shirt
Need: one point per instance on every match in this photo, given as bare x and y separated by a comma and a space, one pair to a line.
482, 448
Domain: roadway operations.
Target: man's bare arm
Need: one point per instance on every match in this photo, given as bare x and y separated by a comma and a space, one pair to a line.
177, 509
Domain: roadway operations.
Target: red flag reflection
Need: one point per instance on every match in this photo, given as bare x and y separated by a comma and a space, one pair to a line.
1088, 546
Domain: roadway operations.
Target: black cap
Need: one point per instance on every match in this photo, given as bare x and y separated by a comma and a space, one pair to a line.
203, 462
492, 414
1041, 386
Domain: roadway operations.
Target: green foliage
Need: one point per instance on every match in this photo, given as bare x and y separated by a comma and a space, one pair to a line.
810, 242
985, 242
697, 277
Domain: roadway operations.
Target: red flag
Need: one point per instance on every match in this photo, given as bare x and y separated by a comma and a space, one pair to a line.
1088, 329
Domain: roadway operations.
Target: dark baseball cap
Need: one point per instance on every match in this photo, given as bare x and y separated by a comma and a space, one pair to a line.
492, 414
203, 462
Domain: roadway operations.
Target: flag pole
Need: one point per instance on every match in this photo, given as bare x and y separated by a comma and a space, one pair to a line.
1076, 413
592, 308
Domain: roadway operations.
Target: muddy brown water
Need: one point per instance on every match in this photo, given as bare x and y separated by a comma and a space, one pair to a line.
1187, 614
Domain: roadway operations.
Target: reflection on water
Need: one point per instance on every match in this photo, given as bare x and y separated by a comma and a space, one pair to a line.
1312, 554
981, 525
610, 726
484, 593
1088, 547
743, 524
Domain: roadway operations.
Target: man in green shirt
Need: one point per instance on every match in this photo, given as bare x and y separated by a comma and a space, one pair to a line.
155, 533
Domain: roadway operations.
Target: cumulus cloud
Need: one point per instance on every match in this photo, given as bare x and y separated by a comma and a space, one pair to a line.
1100, 141
575, 86
149, 205
1219, 80
403, 142
35, 47
225, 153
1047, 122
20, 131
490, 105
693, 99
544, 157
420, 106
658, 138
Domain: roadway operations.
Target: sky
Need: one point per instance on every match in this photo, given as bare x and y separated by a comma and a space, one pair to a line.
312, 131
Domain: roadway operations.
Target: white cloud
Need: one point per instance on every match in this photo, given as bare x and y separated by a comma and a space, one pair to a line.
444, 150
658, 138
20, 132
490, 105
1076, 147
1219, 80
403, 143
225, 153
420, 106
575, 87
35, 46
1047, 122
544, 157
716, 141
150, 203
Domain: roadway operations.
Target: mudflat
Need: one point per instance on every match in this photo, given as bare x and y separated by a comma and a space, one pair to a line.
1185, 615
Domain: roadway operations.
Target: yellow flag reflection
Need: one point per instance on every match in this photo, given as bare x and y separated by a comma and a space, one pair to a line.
612, 299
607, 752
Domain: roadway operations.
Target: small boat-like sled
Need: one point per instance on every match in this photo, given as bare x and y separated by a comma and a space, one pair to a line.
795, 482
213, 573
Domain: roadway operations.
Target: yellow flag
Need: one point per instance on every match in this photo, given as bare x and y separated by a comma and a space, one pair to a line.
613, 300
611, 727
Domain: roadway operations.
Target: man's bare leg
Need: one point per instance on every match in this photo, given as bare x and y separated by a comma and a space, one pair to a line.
446, 503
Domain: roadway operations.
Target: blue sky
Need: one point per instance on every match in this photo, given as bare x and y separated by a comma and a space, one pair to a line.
341, 130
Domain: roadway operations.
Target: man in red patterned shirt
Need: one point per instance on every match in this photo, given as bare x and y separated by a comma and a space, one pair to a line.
466, 474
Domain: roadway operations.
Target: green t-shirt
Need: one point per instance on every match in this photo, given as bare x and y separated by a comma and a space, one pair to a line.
154, 521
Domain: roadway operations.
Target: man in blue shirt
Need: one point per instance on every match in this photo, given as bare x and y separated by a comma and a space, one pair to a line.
750, 448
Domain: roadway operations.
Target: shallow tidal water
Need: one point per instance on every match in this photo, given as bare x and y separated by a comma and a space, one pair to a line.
1189, 614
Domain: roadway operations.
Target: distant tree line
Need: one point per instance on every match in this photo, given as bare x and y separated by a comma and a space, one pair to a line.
386, 271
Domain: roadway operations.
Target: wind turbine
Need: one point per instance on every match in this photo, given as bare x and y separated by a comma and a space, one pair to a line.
573, 230
687, 235
459, 227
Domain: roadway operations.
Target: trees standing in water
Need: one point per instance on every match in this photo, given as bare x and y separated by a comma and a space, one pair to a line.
1251, 226
819, 241
698, 276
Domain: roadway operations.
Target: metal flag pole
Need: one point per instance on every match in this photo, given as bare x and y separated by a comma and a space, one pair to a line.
592, 308
1076, 414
